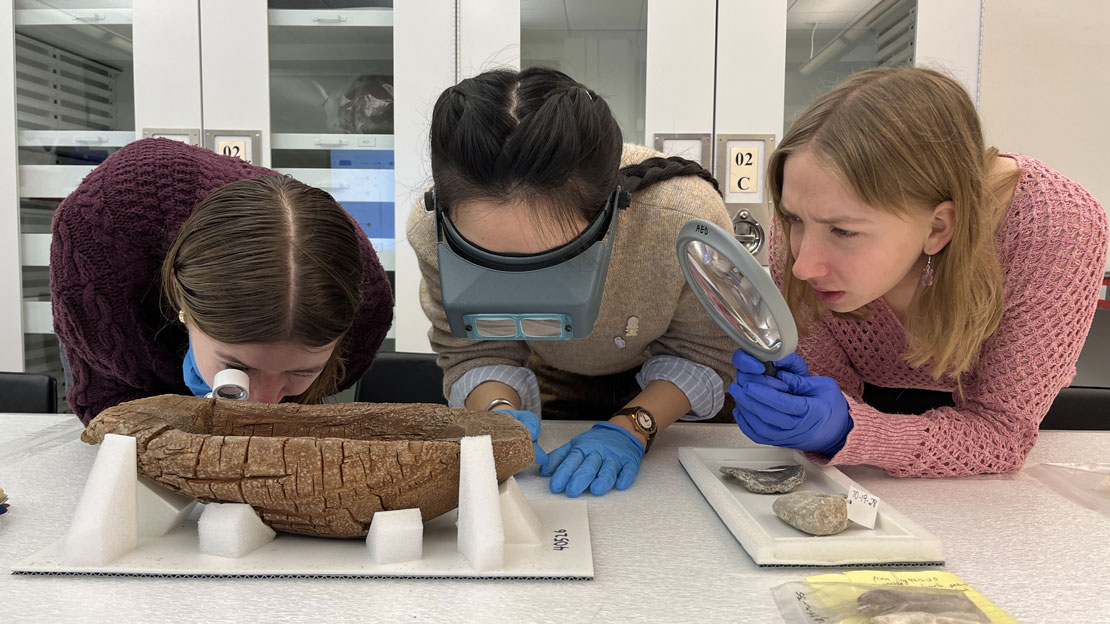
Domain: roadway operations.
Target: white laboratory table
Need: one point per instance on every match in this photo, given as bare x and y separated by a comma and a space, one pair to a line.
660, 552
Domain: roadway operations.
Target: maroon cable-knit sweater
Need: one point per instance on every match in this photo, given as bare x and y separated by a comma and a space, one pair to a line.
110, 237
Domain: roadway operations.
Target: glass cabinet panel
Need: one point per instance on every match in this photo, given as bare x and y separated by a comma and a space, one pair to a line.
826, 41
603, 45
331, 107
74, 107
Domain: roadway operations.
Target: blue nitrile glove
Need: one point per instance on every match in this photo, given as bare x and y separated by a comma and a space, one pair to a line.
189, 371
532, 422
600, 458
792, 409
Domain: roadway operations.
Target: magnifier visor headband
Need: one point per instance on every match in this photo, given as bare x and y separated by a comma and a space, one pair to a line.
594, 232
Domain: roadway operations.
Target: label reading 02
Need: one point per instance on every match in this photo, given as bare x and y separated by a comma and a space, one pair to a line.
561, 540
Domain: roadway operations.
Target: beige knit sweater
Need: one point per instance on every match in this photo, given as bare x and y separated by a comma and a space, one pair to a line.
644, 283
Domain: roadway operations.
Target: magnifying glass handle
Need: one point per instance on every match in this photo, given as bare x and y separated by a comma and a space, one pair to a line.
769, 369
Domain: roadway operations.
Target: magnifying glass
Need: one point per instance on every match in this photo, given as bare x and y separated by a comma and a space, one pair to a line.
737, 292
231, 383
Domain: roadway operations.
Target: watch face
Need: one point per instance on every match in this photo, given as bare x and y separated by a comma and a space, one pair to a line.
644, 420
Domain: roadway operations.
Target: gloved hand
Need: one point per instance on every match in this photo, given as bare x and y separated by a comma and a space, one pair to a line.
599, 458
532, 422
792, 409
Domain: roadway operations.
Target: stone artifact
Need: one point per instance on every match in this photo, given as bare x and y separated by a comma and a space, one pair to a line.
815, 513
903, 606
919, 617
773, 480
311, 469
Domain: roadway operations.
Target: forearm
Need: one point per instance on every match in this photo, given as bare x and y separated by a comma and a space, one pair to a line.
487, 391
665, 402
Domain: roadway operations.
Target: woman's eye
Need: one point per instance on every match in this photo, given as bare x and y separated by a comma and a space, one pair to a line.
303, 375
793, 219
843, 233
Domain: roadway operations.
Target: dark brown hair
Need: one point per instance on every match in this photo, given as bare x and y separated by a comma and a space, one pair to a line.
268, 260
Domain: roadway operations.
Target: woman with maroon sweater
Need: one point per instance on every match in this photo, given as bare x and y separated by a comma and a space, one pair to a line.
919, 262
170, 263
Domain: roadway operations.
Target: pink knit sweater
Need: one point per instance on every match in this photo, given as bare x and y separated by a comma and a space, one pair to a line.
1052, 246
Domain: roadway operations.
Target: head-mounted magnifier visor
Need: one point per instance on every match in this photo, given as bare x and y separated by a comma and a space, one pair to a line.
551, 295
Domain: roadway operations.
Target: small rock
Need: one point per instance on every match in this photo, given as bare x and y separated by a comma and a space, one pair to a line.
815, 513
773, 480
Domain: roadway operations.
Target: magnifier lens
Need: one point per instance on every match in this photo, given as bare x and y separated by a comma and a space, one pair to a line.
231, 392
734, 298
231, 383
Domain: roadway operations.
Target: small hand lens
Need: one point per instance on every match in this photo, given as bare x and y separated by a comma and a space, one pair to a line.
231, 383
737, 292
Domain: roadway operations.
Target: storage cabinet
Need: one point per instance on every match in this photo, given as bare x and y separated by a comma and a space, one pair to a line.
339, 94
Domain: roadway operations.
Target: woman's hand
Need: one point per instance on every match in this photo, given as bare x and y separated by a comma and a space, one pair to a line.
792, 409
532, 422
597, 459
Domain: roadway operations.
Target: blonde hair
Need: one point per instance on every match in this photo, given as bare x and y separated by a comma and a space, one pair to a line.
265, 260
905, 139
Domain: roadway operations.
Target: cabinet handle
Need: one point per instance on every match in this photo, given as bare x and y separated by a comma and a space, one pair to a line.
91, 140
95, 17
339, 18
330, 142
334, 187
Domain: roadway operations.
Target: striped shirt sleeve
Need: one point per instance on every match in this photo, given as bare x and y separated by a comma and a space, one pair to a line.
519, 378
701, 384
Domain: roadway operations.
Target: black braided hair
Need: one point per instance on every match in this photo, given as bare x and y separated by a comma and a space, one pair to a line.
642, 175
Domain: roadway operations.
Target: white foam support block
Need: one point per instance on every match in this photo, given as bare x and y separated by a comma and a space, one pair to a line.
519, 520
396, 536
231, 530
481, 538
160, 509
104, 526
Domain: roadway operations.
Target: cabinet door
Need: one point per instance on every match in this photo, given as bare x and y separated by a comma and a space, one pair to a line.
308, 90
78, 80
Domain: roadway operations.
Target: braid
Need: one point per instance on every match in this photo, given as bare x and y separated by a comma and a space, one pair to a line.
657, 169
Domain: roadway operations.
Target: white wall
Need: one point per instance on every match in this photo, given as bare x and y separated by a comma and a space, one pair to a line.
1045, 89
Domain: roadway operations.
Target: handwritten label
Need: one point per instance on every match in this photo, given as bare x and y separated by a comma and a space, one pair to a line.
863, 506
561, 540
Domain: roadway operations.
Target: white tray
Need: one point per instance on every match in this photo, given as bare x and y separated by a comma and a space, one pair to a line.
895, 540
177, 554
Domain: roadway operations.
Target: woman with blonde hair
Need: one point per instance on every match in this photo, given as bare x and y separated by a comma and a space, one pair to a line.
943, 289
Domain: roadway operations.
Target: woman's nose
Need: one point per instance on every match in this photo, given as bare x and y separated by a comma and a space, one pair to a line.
808, 261
265, 390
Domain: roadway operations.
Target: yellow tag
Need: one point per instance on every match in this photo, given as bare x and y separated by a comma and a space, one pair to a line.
743, 169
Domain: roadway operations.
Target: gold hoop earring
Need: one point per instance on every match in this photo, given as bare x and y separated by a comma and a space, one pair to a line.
181, 316
927, 273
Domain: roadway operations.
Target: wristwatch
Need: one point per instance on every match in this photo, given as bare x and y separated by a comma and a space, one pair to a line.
642, 421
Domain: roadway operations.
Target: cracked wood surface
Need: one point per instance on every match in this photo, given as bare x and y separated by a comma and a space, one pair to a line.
311, 469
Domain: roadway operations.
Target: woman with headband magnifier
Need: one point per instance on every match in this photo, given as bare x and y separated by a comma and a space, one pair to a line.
549, 276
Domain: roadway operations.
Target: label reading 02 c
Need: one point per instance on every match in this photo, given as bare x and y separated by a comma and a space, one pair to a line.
561, 540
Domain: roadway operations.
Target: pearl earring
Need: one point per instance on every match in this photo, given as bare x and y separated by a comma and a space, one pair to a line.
927, 273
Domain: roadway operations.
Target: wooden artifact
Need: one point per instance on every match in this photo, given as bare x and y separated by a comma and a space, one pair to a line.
311, 469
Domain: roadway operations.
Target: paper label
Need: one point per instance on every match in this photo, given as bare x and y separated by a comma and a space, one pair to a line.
863, 507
